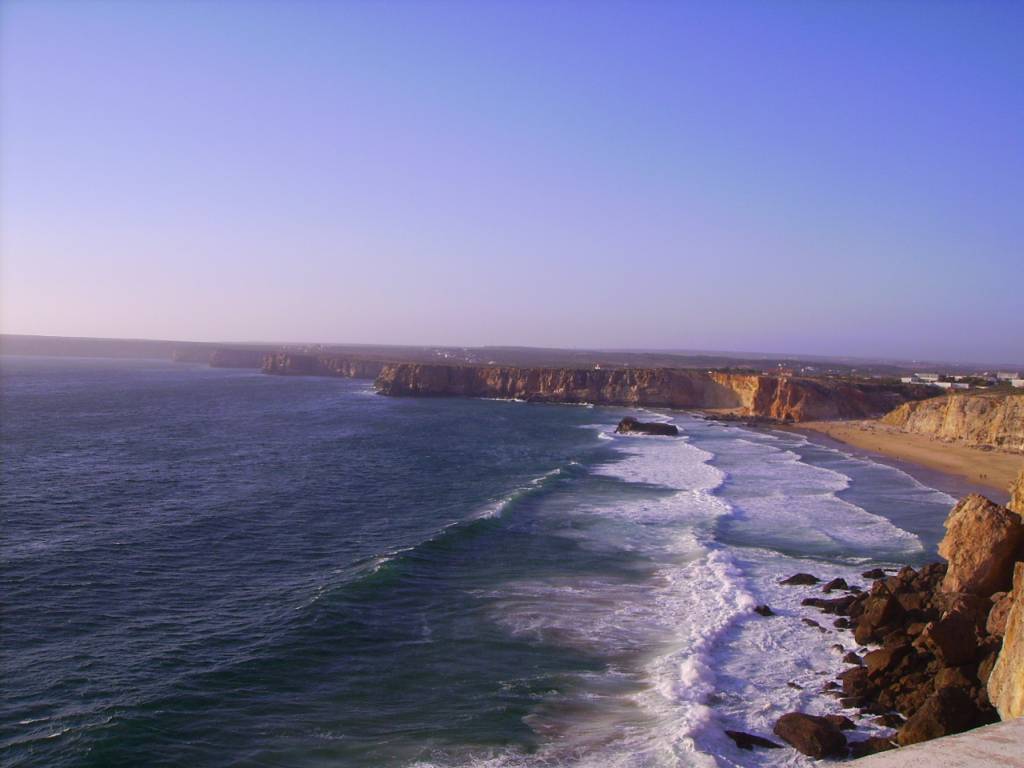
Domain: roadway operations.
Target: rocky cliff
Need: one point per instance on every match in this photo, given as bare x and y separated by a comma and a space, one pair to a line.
784, 398
288, 363
995, 421
227, 357
1006, 685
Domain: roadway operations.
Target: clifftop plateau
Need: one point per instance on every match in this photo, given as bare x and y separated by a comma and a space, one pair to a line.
782, 398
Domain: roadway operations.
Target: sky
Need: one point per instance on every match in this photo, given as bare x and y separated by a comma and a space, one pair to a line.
837, 177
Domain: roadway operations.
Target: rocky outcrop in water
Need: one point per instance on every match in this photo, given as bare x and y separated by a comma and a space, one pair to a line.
632, 426
781, 398
980, 420
814, 736
296, 364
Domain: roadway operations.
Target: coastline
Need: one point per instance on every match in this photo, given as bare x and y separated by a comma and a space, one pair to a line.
954, 469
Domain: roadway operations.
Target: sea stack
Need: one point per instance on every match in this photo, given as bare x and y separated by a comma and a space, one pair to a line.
630, 425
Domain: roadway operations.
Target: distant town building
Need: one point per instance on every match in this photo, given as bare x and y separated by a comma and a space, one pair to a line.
1007, 375
927, 376
1017, 382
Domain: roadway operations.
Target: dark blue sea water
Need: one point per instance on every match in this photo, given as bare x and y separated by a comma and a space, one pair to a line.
211, 567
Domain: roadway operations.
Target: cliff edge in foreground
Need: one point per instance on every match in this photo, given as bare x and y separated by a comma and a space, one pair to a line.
783, 398
995, 421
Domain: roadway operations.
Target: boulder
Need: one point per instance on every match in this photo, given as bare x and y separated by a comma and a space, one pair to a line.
874, 573
886, 661
879, 611
982, 542
953, 639
870, 746
764, 610
800, 579
948, 710
749, 740
631, 426
813, 736
833, 605
837, 583
1006, 682
855, 681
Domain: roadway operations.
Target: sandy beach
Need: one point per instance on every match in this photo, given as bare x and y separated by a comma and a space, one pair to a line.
991, 469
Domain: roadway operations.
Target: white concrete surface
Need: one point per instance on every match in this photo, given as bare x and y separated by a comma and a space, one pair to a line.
994, 746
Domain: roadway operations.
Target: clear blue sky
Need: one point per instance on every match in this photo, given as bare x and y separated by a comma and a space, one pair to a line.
808, 177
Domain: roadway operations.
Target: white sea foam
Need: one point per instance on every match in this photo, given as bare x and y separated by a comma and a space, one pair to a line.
688, 656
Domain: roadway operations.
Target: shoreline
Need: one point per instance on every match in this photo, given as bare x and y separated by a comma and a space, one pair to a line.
953, 469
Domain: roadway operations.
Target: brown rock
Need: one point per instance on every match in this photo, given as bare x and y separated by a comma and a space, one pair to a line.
953, 639
855, 681
955, 677
982, 542
811, 735
874, 573
889, 720
749, 740
835, 584
842, 722
975, 607
879, 611
948, 710
800, 579
871, 746
886, 661
995, 623
764, 610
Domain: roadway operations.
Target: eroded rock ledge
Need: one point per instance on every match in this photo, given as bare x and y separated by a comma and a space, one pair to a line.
781, 398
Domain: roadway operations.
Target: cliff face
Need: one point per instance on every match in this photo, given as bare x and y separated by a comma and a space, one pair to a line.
996, 421
288, 363
783, 398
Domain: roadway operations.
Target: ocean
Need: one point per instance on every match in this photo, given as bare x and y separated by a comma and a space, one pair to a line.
211, 567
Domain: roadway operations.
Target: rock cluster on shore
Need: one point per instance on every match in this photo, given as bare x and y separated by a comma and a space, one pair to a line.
941, 647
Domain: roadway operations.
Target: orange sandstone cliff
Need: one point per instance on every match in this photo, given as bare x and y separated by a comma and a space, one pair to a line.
774, 397
995, 421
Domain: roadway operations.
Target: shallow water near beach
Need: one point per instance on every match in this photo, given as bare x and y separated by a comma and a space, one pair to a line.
220, 568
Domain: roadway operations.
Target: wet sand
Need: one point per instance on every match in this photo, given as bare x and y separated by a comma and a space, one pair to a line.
990, 472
